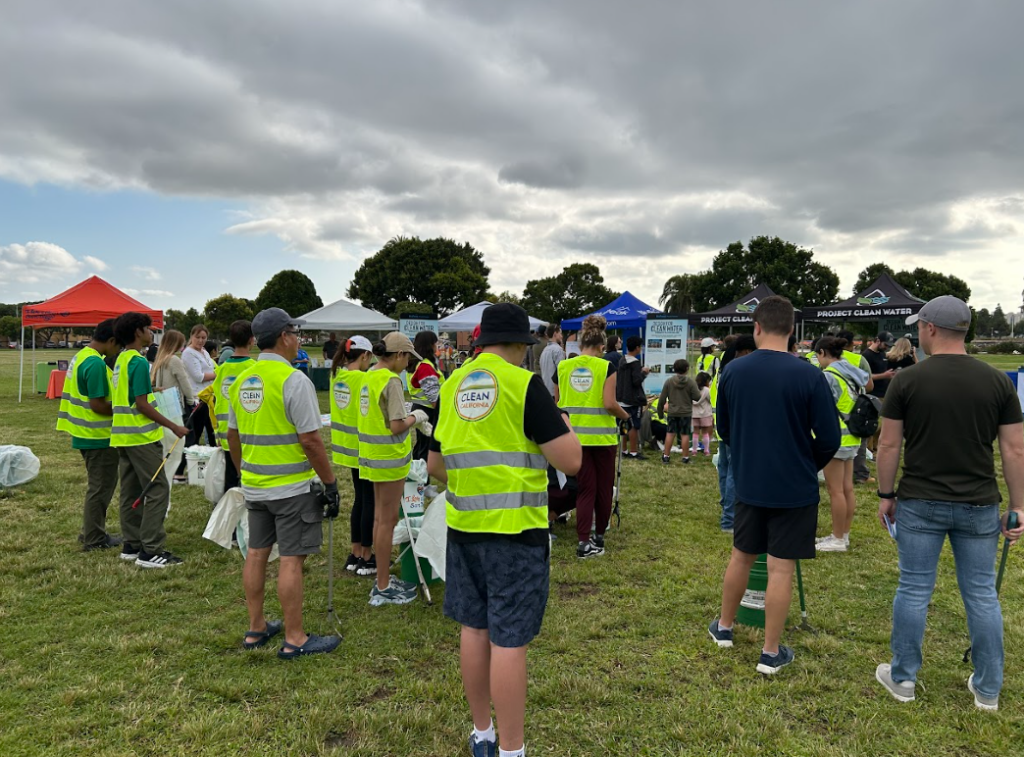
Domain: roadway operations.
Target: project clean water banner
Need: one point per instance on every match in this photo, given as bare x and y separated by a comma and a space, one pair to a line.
664, 342
415, 324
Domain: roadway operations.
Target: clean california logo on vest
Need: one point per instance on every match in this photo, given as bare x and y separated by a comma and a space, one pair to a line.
250, 396
581, 380
343, 395
225, 386
477, 395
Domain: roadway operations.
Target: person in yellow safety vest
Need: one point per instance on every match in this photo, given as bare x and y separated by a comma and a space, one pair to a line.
707, 362
425, 383
241, 340
586, 391
136, 433
274, 439
385, 454
846, 381
498, 430
86, 415
349, 366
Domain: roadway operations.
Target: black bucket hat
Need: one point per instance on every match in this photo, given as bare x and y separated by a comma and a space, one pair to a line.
504, 323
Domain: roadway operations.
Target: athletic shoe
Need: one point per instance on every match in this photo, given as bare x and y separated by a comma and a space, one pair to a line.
108, 542
181, 479
162, 560
130, 553
846, 540
351, 563
830, 544
722, 637
686, 461
597, 541
367, 567
666, 459
981, 701
563, 518
400, 584
772, 664
390, 596
481, 748
902, 691
587, 549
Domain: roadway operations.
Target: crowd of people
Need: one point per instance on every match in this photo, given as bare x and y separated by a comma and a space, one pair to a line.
522, 433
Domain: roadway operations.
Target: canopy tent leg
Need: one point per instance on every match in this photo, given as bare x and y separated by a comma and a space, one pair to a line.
33, 356
21, 370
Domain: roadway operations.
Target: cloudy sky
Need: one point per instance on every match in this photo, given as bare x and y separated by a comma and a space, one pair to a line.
184, 149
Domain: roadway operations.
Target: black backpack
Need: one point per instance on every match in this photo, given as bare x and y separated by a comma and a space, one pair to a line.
862, 420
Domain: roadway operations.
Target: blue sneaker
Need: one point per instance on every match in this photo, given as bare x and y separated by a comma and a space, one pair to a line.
481, 748
769, 665
722, 637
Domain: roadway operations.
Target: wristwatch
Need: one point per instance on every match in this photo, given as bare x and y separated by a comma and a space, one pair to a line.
889, 495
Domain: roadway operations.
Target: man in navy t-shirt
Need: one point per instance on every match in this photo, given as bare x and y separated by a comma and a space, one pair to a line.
780, 422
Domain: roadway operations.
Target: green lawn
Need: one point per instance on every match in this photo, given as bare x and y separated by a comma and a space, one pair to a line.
98, 657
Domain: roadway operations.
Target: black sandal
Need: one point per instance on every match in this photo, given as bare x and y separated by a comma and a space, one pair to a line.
274, 627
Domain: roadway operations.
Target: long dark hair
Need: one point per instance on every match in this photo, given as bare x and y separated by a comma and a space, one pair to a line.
423, 344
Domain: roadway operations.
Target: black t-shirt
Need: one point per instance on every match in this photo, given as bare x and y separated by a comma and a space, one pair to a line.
879, 364
330, 350
542, 423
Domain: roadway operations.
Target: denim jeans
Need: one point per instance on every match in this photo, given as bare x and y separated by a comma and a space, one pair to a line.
921, 530
726, 485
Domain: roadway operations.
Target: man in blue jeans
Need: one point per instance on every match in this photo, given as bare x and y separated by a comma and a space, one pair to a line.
949, 489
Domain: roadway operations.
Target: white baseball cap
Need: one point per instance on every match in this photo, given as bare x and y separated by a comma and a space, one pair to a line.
359, 343
708, 341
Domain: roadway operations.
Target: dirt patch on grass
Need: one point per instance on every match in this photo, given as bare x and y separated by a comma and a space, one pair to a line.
341, 740
573, 591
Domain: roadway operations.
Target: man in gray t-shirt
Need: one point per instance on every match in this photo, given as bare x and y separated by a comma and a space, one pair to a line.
287, 513
552, 355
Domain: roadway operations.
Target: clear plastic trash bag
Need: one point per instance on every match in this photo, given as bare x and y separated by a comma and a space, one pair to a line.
17, 465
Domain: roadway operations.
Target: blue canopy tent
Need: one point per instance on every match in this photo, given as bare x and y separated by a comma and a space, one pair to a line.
627, 314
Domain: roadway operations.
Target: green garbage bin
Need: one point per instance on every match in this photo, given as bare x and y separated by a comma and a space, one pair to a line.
43, 371
751, 612
407, 566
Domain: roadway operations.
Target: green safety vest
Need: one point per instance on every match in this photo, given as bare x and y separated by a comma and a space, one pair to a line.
227, 374
130, 427
345, 388
497, 478
383, 456
844, 406
851, 357
655, 415
272, 455
812, 358
76, 416
418, 395
705, 363
581, 394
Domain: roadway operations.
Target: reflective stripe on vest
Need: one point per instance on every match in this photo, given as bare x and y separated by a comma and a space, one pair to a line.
844, 406
383, 456
272, 455
130, 427
497, 478
417, 394
581, 394
227, 374
345, 388
76, 415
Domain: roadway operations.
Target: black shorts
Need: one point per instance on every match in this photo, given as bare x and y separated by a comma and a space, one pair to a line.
500, 586
293, 523
636, 413
783, 532
680, 425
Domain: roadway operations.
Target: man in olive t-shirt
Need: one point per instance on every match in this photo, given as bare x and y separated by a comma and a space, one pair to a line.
948, 410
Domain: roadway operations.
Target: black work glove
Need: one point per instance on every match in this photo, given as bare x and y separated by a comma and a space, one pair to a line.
331, 500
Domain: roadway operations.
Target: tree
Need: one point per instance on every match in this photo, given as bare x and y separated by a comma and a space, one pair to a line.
222, 311
789, 270
174, 320
10, 326
1000, 326
505, 296
869, 275
292, 291
190, 318
927, 285
983, 322
440, 272
578, 289
403, 309
677, 294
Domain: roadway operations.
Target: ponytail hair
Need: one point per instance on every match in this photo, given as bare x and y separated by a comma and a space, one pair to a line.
592, 334
346, 354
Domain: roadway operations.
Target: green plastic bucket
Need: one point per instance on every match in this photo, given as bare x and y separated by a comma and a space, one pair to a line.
751, 612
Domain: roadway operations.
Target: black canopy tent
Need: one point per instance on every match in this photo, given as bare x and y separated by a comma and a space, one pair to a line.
882, 299
739, 313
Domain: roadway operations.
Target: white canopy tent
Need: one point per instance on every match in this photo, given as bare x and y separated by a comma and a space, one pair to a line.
468, 319
343, 315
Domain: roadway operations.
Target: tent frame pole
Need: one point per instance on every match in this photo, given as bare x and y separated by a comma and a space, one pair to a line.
21, 370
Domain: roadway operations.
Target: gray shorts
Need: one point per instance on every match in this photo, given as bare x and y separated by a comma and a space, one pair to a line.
846, 453
293, 523
680, 425
498, 585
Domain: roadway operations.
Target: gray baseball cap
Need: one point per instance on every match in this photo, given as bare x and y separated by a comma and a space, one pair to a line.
271, 322
946, 312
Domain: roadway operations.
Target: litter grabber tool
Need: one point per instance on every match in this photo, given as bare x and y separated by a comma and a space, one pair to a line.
329, 498
1011, 523
804, 625
416, 559
147, 487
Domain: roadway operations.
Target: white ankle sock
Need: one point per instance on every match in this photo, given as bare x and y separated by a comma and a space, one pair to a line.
513, 753
723, 628
487, 735
770, 654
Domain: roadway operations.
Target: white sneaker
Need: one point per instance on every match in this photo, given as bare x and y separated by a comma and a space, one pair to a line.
831, 544
846, 540
981, 701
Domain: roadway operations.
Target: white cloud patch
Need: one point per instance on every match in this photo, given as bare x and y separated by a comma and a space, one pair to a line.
147, 292
95, 263
544, 133
33, 262
144, 272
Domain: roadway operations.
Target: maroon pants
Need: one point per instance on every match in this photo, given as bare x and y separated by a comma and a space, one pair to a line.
595, 480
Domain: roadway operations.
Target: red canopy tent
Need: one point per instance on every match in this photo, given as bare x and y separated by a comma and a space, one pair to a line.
85, 304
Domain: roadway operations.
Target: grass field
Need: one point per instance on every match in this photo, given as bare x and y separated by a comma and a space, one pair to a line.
99, 657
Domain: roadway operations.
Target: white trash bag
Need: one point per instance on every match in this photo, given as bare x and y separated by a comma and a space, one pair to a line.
17, 465
213, 485
230, 518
